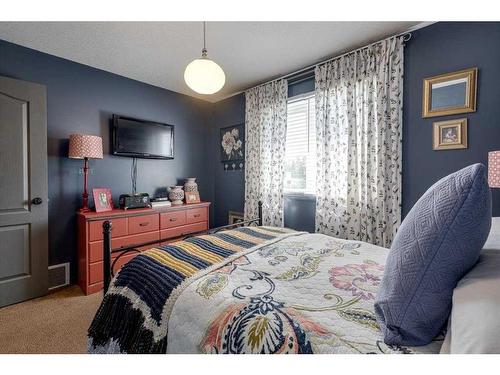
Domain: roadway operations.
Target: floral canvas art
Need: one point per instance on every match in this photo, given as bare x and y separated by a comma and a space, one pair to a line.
232, 143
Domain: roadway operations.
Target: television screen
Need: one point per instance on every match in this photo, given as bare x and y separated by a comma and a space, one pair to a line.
142, 139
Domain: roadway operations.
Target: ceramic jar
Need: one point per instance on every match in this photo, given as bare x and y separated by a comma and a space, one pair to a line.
176, 195
190, 185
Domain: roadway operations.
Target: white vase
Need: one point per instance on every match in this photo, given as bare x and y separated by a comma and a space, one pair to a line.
190, 185
176, 195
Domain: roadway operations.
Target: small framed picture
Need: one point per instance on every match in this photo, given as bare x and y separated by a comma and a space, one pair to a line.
102, 199
450, 135
192, 197
450, 93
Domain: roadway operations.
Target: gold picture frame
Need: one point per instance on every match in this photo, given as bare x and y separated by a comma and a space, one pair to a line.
450, 135
450, 93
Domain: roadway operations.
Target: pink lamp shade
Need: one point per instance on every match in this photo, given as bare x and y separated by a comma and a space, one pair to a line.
85, 146
494, 169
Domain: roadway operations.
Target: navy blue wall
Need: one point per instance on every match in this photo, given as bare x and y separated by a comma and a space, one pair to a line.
82, 99
229, 185
442, 48
439, 48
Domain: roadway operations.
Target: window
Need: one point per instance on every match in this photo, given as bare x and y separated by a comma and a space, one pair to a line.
300, 155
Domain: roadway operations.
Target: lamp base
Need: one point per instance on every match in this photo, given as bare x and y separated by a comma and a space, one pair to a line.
84, 210
85, 195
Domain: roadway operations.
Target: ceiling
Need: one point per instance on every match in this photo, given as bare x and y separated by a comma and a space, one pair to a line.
158, 52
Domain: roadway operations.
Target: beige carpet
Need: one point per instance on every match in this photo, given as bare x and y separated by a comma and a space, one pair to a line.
55, 323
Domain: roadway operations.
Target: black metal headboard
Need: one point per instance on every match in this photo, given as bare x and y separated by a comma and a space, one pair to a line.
107, 228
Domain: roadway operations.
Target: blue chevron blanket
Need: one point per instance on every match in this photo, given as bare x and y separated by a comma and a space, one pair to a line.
133, 316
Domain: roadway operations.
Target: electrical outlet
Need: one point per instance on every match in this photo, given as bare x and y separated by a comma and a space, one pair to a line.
80, 171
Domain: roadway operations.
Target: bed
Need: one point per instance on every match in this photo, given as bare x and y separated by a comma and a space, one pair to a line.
258, 289
247, 290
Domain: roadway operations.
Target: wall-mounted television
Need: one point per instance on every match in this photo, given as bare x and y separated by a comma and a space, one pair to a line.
142, 139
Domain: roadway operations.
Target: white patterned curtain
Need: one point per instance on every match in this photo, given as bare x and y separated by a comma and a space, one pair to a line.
359, 122
265, 133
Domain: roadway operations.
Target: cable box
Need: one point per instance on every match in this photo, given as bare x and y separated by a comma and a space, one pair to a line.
130, 201
159, 199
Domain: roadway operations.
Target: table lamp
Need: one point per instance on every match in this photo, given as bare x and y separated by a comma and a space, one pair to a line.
82, 146
494, 169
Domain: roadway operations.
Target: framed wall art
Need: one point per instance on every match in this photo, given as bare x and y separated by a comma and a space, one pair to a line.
232, 146
450, 135
449, 94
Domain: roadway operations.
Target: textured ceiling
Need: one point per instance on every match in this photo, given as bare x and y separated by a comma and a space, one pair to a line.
158, 52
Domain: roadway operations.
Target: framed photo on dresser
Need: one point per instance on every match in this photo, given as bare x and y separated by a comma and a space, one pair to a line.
102, 199
192, 197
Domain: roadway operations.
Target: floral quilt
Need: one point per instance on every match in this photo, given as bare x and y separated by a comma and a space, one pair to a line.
307, 293
133, 316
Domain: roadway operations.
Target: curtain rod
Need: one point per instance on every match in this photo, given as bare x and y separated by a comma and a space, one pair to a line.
406, 37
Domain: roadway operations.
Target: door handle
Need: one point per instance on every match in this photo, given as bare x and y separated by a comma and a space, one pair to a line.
37, 200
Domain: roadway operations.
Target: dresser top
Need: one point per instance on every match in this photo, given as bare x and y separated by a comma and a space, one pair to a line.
117, 212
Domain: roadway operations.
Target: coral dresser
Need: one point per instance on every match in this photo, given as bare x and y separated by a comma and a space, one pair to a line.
131, 227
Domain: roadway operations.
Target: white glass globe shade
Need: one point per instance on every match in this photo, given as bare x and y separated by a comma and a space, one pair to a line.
204, 76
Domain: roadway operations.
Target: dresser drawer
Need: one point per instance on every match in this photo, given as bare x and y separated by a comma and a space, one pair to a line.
137, 239
141, 224
196, 215
172, 219
119, 228
96, 249
183, 231
96, 271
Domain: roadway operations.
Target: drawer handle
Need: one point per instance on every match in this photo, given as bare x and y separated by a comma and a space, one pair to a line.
173, 219
196, 215
144, 224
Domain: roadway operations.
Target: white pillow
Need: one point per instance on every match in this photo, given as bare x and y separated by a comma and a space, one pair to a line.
474, 325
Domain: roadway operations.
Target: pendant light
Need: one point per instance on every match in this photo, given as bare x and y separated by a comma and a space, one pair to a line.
204, 75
